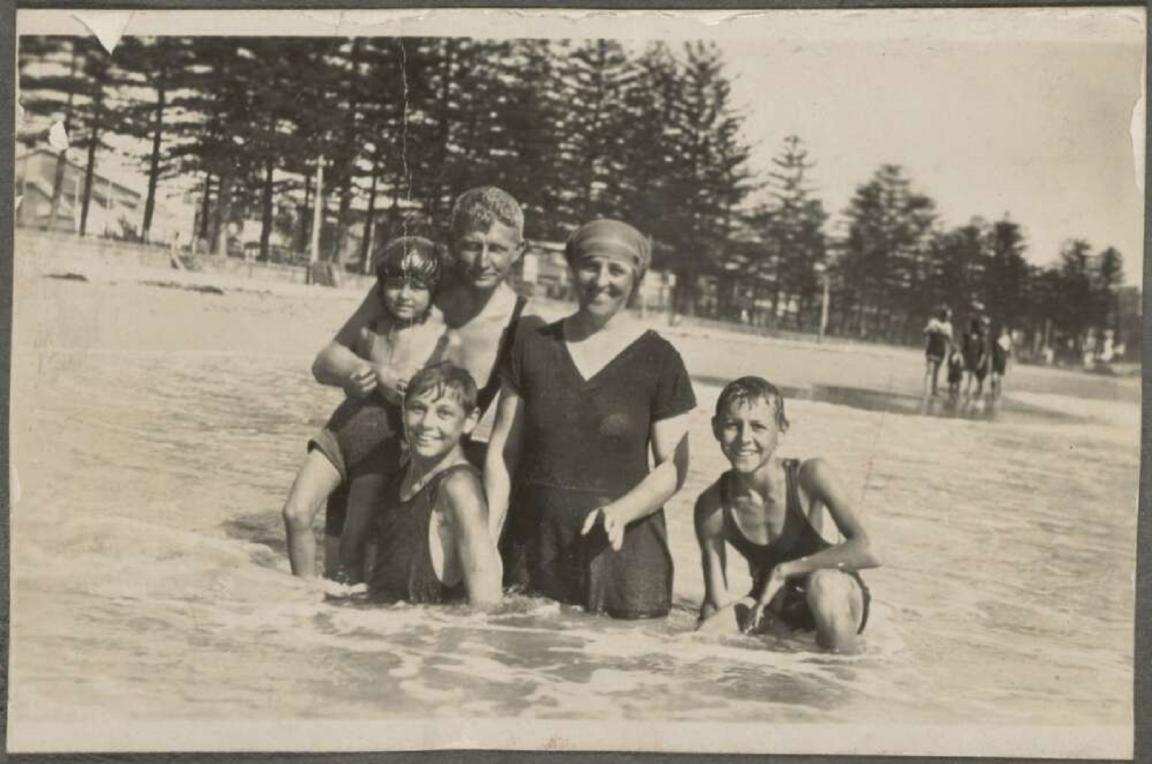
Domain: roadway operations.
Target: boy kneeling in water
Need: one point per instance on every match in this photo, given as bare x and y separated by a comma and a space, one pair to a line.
428, 541
768, 509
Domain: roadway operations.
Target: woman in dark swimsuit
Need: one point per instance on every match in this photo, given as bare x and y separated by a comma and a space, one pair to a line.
583, 402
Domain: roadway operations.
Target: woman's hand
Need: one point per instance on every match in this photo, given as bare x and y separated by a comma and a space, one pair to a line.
614, 524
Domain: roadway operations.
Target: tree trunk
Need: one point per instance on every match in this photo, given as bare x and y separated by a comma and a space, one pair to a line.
445, 122
266, 210
366, 240
154, 164
342, 218
221, 215
61, 160
204, 207
302, 243
89, 173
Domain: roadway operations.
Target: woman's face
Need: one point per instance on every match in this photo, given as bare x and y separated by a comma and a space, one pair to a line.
603, 284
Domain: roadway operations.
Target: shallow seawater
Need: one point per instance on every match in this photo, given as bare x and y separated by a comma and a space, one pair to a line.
150, 574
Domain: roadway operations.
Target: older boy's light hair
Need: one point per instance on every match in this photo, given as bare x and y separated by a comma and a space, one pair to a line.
749, 390
444, 378
479, 208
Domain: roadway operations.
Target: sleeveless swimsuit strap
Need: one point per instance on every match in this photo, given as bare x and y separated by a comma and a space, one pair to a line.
488, 393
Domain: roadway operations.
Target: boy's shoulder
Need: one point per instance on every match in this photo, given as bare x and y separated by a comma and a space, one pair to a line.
711, 498
813, 472
462, 485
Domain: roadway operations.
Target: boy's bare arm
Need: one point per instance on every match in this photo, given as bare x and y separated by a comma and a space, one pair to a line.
709, 522
479, 560
855, 552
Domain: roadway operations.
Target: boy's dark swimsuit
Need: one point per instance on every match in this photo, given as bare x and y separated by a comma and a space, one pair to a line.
797, 539
403, 570
363, 437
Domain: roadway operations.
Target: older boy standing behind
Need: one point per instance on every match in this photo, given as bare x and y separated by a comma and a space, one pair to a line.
768, 509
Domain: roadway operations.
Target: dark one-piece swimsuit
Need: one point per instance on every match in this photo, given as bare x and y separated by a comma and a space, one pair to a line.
585, 444
797, 539
403, 570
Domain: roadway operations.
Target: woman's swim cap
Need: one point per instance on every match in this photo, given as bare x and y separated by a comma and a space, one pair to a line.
613, 239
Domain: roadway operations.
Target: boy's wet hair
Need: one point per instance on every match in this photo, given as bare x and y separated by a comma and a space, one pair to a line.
749, 390
478, 208
410, 258
444, 378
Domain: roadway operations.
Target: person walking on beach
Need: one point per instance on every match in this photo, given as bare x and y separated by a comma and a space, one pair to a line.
584, 401
938, 342
481, 313
769, 510
1001, 352
363, 435
976, 355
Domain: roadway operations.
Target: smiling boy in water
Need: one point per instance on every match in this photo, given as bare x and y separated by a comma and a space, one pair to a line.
769, 510
428, 539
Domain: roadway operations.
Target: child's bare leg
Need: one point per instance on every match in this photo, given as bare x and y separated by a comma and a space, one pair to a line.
315, 481
836, 603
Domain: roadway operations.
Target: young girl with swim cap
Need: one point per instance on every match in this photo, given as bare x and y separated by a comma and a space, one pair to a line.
363, 436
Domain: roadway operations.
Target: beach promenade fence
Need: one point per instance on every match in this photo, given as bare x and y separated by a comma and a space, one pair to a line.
52, 251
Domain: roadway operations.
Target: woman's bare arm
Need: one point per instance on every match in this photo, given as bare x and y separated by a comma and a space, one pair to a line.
670, 452
710, 536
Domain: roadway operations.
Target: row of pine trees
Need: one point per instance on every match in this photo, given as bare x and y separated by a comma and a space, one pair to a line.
574, 130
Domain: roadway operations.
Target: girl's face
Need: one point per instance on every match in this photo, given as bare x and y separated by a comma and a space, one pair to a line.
405, 299
603, 284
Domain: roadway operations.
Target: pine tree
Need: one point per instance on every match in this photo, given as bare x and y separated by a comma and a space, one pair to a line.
1005, 273
791, 230
152, 65
709, 170
883, 262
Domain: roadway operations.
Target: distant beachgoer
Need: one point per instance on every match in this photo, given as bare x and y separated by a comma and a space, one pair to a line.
584, 402
1001, 352
976, 354
482, 312
363, 435
428, 540
938, 341
955, 372
769, 510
